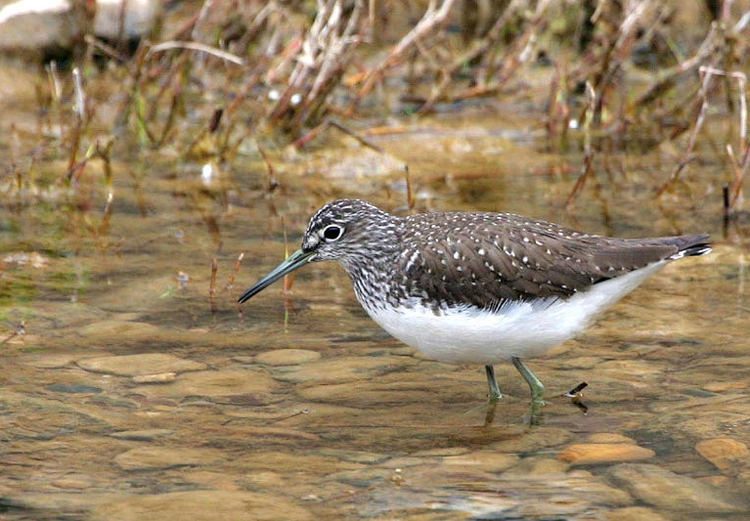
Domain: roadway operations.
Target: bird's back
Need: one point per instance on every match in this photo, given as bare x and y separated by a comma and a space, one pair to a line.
486, 259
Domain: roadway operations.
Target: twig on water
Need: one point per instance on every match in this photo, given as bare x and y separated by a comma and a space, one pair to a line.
212, 284
237, 266
107, 217
79, 109
410, 199
308, 137
273, 182
289, 278
20, 331
362, 140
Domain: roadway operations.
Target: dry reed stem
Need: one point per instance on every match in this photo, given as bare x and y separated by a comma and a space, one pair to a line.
433, 19
361, 139
212, 284
273, 182
195, 46
237, 265
106, 50
79, 110
289, 278
687, 156
312, 134
668, 79
323, 56
518, 53
20, 331
740, 166
410, 199
618, 47
107, 216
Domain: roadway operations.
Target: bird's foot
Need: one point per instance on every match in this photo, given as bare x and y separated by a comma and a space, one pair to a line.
576, 396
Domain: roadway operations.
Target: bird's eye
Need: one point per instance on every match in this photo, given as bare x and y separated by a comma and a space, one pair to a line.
332, 232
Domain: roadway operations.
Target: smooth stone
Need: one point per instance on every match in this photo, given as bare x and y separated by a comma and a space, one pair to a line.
533, 466
290, 413
141, 364
287, 357
130, 19
633, 514
664, 489
599, 453
630, 370
52, 24
358, 393
142, 434
73, 483
538, 439
355, 456
266, 478
214, 383
158, 378
485, 461
22, 258
74, 389
720, 387
150, 458
441, 452
403, 462
608, 437
724, 453
46, 505
580, 362
34, 26
277, 461
340, 369
208, 505
213, 479
50, 361
271, 433
362, 478
717, 481
111, 329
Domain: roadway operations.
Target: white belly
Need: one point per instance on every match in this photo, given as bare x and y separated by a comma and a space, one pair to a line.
518, 330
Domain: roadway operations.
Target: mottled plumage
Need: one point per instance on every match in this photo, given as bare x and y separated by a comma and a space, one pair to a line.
479, 287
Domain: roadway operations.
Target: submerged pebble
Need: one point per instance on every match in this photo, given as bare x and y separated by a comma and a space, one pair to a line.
158, 378
724, 453
600, 453
208, 505
140, 364
142, 434
150, 458
664, 489
287, 357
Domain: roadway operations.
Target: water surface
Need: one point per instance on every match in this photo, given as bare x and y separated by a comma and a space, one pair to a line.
133, 396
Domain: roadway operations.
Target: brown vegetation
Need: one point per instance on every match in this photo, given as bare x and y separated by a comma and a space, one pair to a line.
281, 70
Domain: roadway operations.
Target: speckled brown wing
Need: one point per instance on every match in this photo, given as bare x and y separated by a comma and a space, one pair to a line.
487, 259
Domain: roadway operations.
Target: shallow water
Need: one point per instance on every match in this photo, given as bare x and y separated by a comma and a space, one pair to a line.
132, 396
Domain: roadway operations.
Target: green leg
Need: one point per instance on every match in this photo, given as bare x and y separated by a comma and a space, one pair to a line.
495, 393
536, 386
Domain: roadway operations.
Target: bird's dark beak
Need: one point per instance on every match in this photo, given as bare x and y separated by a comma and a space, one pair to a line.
295, 260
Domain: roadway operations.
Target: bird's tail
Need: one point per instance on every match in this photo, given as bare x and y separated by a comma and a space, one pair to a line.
690, 245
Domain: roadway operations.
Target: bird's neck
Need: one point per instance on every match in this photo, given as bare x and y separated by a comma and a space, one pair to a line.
372, 270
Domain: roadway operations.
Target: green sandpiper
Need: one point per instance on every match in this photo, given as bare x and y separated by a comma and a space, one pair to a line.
479, 288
